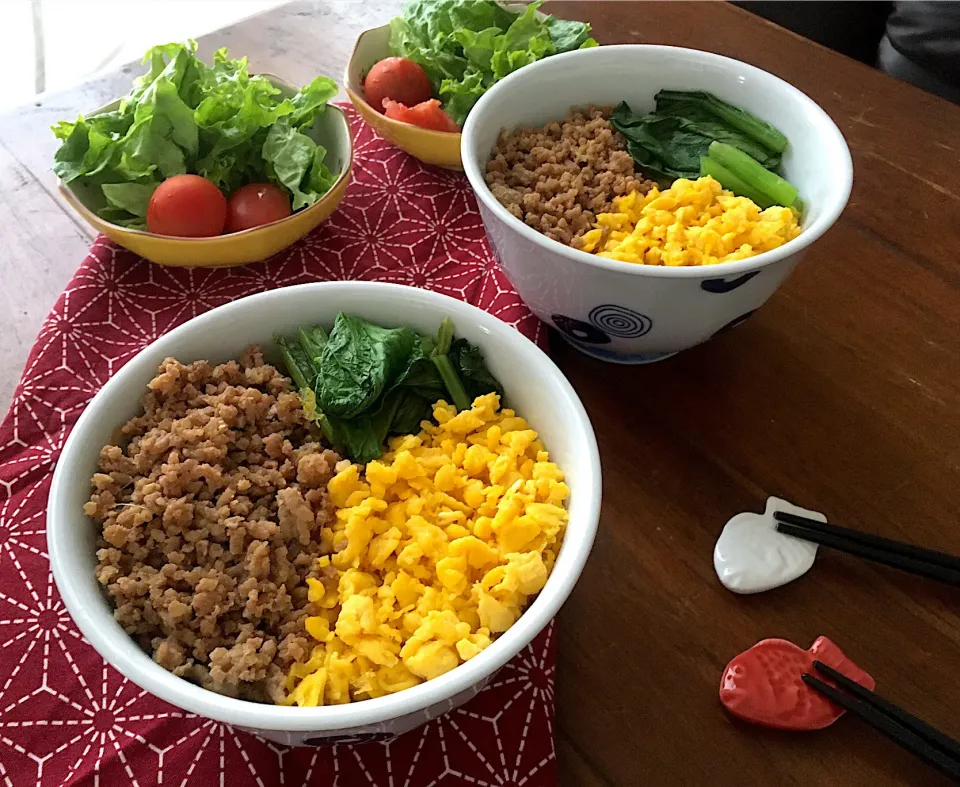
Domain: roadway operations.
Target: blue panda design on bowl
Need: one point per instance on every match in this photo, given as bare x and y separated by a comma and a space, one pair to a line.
579, 330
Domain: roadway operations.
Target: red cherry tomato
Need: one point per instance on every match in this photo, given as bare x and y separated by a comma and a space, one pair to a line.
763, 684
398, 79
256, 204
187, 206
426, 114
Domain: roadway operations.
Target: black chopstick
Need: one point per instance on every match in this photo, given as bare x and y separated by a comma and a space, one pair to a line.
920, 553
895, 730
900, 556
931, 734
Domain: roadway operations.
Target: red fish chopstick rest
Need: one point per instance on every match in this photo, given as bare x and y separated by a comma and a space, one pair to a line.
763, 684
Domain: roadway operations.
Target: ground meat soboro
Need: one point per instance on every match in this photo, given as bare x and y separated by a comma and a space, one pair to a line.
210, 518
558, 178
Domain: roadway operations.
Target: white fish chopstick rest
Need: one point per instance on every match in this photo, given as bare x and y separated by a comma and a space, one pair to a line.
751, 556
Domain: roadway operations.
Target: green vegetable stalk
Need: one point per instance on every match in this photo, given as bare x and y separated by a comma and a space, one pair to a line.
312, 341
303, 366
441, 359
753, 175
298, 363
731, 182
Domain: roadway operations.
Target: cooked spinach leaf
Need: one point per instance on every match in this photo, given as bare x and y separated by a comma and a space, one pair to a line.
363, 382
668, 146
298, 363
411, 410
468, 361
358, 362
698, 103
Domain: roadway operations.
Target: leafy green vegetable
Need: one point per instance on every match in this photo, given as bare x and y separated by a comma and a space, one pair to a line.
668, 147
465, 46
664, 147
409, 413
311, 102
694, 133
359, 361
700, 121
121, 217
361, 438
524, 42
130, 197
291, 156
471, 369
688, 104
214, 120
567, 36
363, 382
297, 359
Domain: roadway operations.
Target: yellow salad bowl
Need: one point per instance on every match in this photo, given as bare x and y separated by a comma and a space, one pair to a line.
331, 130
440, 148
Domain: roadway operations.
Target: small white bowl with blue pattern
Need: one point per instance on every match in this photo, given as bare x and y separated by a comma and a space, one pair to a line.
628, 313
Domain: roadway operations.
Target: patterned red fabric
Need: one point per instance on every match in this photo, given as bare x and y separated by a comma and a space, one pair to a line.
66, 717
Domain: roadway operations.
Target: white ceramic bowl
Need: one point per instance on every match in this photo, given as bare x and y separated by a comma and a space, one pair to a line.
639, 313
534, 386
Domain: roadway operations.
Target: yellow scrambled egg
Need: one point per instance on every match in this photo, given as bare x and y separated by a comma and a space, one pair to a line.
435, 550
694, 222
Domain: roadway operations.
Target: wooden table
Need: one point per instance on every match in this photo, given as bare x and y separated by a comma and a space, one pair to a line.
842, 395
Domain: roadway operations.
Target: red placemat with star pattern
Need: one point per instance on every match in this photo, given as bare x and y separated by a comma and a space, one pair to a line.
68, 719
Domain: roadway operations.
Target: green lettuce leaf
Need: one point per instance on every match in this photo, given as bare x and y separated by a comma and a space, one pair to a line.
164, 131
311, 102
567, 36
525, 41
438, 63
130, 197
295, 161
478, 46
69, 160
122, 218
320, 179
459, 96
184, 115
465, 46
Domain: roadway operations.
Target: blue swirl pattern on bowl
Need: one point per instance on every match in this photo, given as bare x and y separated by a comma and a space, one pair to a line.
620, 321
605, 321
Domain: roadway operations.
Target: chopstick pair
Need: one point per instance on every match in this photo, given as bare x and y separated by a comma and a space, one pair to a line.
896, 554
906, 730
